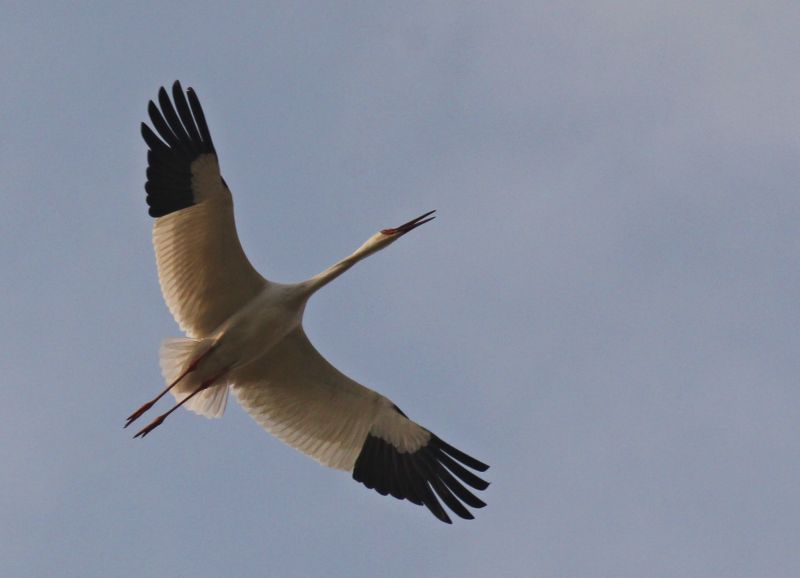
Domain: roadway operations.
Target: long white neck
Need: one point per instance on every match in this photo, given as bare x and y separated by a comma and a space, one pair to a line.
319, 280
372, 245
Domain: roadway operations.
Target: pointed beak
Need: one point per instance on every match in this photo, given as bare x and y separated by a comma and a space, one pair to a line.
412, 224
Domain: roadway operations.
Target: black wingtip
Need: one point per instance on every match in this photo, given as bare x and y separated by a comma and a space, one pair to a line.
465, 459
179, 136
434, 472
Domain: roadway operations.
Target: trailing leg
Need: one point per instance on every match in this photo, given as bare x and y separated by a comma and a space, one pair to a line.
157, 422
192, 366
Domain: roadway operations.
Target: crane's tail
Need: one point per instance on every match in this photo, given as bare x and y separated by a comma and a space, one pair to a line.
176, 354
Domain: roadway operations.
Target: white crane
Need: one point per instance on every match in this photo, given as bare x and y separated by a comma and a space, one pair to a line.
245, 333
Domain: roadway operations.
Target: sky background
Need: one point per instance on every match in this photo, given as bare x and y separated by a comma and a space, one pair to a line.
605, 310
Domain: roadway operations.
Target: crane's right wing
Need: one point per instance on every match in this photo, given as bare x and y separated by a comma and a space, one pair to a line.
296, 395
204, 274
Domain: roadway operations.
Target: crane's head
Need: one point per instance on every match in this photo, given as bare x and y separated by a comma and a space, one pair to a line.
378, 241
386, 237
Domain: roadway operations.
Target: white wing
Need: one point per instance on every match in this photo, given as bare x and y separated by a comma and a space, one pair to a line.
204, 274
296, 395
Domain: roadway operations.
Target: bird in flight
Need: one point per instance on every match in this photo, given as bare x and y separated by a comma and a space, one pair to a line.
244, 333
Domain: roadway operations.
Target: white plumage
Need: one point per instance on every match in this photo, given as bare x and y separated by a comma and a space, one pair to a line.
244, 333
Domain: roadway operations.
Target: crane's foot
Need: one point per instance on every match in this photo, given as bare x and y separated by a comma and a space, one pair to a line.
151, 426
138, 413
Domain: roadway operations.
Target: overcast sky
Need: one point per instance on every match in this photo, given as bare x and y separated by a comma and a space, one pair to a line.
605, 310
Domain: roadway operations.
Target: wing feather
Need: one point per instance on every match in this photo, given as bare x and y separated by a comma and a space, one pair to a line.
205, 275
296, 395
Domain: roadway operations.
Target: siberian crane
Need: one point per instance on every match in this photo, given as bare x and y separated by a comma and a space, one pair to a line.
244, 333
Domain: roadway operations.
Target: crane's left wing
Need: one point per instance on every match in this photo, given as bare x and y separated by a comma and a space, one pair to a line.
296, 395
205, 275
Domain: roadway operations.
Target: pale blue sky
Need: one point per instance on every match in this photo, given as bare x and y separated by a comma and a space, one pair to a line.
606, 309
